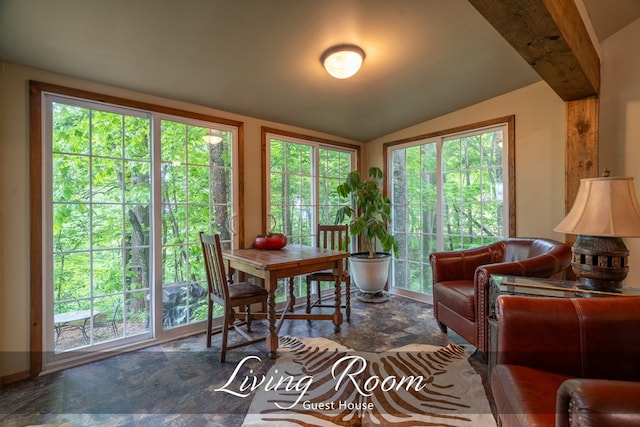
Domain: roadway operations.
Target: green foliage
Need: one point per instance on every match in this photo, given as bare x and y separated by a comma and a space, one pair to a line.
102, 206
371, 213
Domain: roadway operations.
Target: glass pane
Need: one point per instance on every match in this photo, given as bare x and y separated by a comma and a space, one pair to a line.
174, 304
71, 276
106, 134
107, 226
106, 180
199, 184
174, 142
200, 141
137, 182
70, 179
107, 272
276, 148
137, 225
137, 142
71, 227
174, 183
174, 264
70, 133
174, 224
107, 319
135, 314
199, 221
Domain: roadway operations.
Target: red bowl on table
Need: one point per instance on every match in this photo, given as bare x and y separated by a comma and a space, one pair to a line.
270, 241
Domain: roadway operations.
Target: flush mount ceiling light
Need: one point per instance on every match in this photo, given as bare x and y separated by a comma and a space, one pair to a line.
342, 61
213, 137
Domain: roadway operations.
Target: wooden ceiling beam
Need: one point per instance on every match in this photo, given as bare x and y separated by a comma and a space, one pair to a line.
551, 36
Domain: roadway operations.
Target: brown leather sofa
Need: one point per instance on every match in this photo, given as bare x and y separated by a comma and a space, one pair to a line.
461, 280
567, 362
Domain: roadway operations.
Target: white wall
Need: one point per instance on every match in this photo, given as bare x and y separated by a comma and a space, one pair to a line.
540, 146
620, 118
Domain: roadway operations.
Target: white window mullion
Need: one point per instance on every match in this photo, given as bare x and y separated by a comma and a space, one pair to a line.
155, 251
439, 198
48, 335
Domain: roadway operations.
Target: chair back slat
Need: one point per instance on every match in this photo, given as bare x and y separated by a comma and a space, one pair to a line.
214, 266
332, 236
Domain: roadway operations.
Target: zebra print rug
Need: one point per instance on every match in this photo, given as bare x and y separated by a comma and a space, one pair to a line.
318, 382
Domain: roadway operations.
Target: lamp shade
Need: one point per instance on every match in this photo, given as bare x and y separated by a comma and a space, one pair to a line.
605, 206
342, 61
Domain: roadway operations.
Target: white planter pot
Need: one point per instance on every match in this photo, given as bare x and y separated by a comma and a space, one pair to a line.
369, 274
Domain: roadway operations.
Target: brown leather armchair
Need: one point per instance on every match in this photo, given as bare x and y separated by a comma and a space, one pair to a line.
567, 362
461, 280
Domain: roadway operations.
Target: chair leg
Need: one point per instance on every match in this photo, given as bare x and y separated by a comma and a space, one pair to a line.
308, 295
229, 318
247, 318
209, 322
347, 283
318, 292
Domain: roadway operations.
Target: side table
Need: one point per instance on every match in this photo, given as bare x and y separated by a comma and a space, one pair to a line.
531, 286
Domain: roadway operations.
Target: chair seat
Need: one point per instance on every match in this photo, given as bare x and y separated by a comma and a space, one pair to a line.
245, 290
459, 296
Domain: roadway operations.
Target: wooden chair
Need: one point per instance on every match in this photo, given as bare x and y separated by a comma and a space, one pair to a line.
229, 296
330, 237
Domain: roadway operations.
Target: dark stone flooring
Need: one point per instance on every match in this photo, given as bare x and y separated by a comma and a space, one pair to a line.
173, 384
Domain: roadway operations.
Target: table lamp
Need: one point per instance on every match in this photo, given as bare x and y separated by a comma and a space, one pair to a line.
606, 209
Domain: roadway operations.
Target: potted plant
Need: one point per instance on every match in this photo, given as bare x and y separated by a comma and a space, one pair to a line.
369, 270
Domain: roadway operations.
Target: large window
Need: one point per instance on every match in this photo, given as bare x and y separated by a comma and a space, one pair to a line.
125, 191
449, 191
99, 223
302, 174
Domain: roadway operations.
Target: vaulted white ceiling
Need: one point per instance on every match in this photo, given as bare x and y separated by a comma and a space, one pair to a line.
260, 58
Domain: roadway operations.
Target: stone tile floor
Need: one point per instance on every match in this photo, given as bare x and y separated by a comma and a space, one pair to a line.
173, 384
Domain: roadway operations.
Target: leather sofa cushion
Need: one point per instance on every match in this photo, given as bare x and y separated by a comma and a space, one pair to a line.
525, 396
458, 295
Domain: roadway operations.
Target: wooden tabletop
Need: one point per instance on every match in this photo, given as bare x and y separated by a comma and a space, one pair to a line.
287, 257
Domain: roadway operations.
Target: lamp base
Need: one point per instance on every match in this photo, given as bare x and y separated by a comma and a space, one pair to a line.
600, 263
599, 285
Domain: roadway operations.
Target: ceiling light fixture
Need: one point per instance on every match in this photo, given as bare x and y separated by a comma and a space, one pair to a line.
213, 137
342, 61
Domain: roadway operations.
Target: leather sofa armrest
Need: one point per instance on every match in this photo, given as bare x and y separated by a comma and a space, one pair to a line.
597, 402
545, 265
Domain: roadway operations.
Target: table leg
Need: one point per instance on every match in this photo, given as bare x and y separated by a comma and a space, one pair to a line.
272, 338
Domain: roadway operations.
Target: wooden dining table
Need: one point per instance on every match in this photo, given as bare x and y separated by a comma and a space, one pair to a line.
290, 261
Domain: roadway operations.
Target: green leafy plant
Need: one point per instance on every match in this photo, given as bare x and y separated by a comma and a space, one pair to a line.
371, 213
